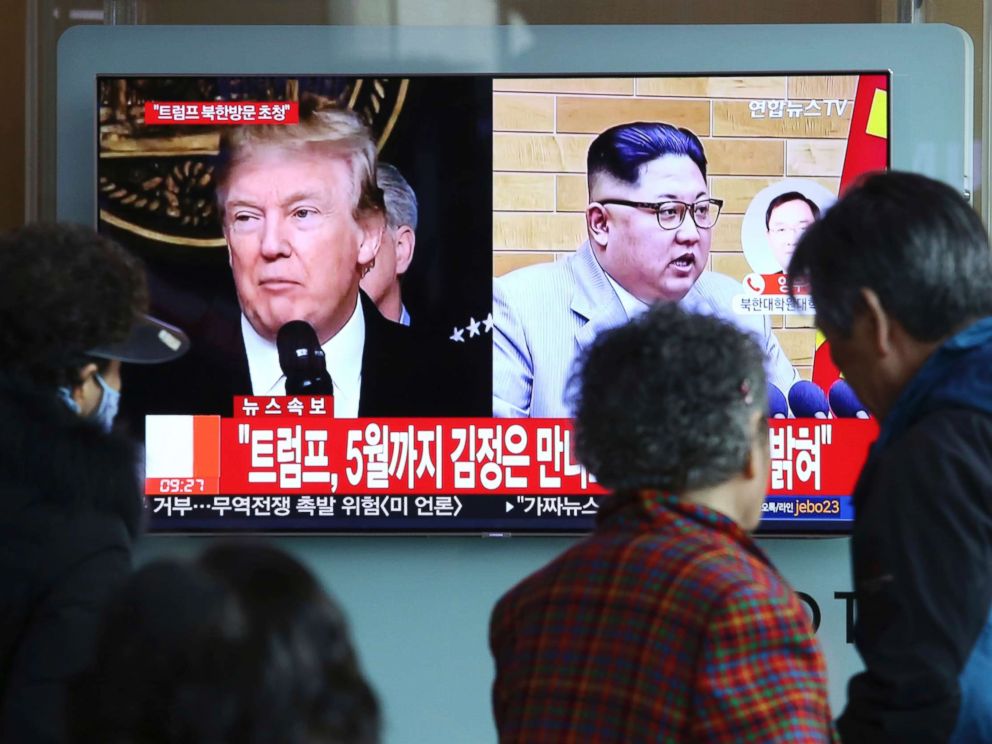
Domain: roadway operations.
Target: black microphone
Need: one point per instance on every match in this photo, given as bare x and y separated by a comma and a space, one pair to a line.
777, 407
844, 403
302, 360
807, 400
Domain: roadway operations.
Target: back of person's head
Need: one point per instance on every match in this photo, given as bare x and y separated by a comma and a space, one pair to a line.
622, 151
401, 201
668, 402
912, 240
325, 126
64, 289
240, 646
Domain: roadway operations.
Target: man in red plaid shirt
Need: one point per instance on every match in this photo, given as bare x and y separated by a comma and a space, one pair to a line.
667, 623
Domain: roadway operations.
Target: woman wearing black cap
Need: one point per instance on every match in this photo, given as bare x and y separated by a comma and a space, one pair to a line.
71, 310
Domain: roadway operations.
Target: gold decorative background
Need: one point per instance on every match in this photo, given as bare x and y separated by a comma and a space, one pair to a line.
156, 182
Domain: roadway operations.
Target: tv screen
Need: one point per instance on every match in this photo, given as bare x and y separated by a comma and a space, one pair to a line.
436, 430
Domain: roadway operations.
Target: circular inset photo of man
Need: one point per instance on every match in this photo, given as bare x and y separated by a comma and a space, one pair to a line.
777, 217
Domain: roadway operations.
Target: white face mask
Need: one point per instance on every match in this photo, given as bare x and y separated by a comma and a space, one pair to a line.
106, 409
65, 394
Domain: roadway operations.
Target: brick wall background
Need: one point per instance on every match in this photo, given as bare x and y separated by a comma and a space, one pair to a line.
543, 127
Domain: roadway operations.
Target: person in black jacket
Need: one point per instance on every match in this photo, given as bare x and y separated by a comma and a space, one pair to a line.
71, 304
901, 274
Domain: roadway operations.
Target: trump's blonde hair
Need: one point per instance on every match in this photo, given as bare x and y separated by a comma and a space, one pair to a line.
325, 126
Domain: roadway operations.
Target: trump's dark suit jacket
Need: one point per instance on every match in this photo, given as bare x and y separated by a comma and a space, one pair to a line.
404, 373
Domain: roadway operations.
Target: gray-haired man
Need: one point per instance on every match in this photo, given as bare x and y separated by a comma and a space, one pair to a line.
383, 282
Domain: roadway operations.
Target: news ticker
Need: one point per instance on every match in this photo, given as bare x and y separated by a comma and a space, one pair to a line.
295, 511
293, 445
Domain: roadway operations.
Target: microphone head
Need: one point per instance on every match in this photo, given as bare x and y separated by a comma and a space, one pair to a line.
302, 360
844, 402
777, 405
807, 400
298, 346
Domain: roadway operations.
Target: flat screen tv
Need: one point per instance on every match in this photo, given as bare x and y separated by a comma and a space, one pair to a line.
494, 153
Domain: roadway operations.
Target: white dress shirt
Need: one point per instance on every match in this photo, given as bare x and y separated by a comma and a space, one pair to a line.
343, 353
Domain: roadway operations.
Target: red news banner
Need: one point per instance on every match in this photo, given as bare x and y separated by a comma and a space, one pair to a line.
294, 445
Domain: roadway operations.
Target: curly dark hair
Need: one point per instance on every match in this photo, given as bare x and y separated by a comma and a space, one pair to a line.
63, 289
242, 646
667, 400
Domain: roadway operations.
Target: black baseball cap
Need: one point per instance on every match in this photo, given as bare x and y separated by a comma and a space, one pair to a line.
151, 341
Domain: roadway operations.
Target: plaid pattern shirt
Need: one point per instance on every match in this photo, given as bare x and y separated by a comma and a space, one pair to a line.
666, 624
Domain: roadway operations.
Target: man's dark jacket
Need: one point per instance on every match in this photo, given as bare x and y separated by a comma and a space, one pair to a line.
922, 558
69, 509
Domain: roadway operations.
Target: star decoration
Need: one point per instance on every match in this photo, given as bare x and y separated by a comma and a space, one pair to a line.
488, 322
473, 327
456, 335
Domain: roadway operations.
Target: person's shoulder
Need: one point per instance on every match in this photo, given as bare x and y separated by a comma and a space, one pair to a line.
741, 583
715, 292
715, 282
703, 562
50, 455
528, 595
535, 272
48, 439
700, 576
408, 372
535, 281
948, 437
752, 580
377, 324
553, 575
49, 542
725, 567
944, 429
71, 496
413, 346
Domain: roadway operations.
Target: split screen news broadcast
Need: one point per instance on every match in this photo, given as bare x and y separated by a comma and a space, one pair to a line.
441, 238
